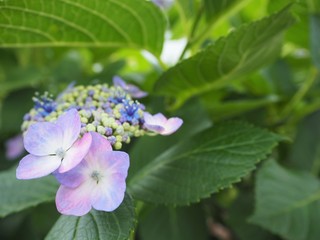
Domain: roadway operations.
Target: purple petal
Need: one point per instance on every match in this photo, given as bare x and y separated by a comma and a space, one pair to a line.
133, 90
172, 125
43, 138
118, 82
72, 178
70, 124
114, 162
14, 147
76, 153
99, 144
109, 193
136, 92
74, 201
34, 166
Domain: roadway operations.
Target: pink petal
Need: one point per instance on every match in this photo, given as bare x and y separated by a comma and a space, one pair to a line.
154, 123
72, 178
109, 193
76, 153
70, 124
74, 201
172, 125
14, 147
160, 124
43, 138
34, 166
157, 119
99, 144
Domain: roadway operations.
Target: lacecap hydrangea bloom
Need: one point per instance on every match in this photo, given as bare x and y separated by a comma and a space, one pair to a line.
75, 137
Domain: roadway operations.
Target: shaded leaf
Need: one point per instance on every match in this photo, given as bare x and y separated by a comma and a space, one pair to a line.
96, 225
241, 52
214, 8
287, 202
202, 164
81, 23
17, 195
167, 223
314, 38
238, 215
305, 154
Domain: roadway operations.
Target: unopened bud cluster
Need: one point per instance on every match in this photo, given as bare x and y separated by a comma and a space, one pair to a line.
108, 110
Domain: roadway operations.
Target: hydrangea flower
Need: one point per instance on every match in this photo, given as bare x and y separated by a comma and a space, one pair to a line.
53, 146
105, 109
133, 90
14, 147
160, 124
97, 182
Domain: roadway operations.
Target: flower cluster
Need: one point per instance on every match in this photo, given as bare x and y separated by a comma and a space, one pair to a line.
73, 137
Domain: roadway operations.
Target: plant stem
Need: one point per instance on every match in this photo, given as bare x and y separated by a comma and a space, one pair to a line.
299, 94
193, 31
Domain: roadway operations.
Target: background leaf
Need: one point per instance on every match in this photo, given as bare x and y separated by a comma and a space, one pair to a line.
202, 164
314, 38
17, 195
241, 52
305, 153
167, 223
96, 225
81, 23
287, 202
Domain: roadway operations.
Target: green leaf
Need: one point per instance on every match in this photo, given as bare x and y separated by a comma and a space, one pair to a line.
237, 217
193, 123
287, 202
214, 8
241, 52
81, 23
202, 164
314, 38
305, 150
167, 223
229, 109
17, 195
97, 225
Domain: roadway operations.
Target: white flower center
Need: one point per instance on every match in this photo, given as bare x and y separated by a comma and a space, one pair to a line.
61, 153
96, 176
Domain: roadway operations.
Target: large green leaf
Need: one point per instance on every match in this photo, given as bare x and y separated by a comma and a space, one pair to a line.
202, 164
96, 225
81, 23
192, 124
17, 195
288, 202
168, 223
241, 52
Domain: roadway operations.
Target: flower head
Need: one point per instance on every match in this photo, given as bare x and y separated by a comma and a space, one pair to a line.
98, 181
53, 146
160, 124
133, 90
